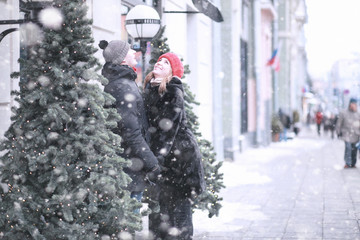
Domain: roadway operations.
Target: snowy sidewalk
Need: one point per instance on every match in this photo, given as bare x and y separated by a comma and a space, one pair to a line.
290, 190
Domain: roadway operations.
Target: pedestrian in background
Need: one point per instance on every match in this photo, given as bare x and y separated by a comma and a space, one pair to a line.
176, 148
286, 122
332, 126
119, 70
308, 119
296, 122
318, 118
326, 123
348, 129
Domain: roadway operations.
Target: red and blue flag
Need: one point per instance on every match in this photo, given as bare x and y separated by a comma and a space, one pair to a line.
274, 61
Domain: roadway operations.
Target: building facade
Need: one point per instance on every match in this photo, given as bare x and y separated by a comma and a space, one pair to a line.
292, 78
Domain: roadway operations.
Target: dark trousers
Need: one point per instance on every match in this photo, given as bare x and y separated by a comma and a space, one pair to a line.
350, 154
332, 133
318, 125
174, 221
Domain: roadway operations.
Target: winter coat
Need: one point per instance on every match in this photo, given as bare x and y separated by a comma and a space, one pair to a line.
284, 119
333, 121
319, 117
348, 126
133, 124
171, 141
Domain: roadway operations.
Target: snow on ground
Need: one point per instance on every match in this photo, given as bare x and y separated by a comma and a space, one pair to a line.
244, 171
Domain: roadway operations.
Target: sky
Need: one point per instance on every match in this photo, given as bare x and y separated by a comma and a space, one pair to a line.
332, 32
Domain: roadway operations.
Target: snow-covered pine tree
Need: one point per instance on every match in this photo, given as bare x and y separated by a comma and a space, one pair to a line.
61, 177
208, 200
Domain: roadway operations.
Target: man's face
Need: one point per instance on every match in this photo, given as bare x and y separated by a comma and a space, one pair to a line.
353, 106
130, 58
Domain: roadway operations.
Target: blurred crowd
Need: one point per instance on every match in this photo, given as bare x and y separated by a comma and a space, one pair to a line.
325, 122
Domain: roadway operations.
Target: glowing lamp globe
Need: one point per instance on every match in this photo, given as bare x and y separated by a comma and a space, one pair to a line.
142, 22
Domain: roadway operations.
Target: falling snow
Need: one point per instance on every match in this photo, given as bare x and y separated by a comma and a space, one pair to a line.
51, 18
30, 34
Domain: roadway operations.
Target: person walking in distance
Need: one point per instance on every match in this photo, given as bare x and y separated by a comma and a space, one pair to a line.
318, 119
333, 120
286, 122
348, 129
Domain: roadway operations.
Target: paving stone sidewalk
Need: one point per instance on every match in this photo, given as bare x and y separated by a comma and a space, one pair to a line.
289, 190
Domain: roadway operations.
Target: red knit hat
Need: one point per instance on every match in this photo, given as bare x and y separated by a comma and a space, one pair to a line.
176, 64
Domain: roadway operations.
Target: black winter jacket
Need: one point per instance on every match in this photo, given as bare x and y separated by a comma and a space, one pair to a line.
133, 124
172, 141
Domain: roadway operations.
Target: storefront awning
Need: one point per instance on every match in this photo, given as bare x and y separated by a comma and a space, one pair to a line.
202, 6
209, 9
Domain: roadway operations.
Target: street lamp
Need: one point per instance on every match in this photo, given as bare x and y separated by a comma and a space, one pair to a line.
31, 8
142, 23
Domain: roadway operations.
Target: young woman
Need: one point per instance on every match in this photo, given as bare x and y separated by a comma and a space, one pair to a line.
132, 127
176, 149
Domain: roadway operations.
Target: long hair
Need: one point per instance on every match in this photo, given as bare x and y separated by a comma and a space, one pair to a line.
162, 86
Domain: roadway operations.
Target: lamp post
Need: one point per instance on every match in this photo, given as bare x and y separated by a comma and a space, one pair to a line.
31, 8
142, 23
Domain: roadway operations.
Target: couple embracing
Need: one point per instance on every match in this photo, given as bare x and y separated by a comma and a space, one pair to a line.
155, 137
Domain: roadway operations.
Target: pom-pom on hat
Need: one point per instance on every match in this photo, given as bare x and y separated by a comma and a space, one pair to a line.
115, 51
175, 62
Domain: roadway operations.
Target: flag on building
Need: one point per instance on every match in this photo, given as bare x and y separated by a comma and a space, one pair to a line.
274, 61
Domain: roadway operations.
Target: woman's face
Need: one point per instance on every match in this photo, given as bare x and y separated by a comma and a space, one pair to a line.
162, 68
130, 58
